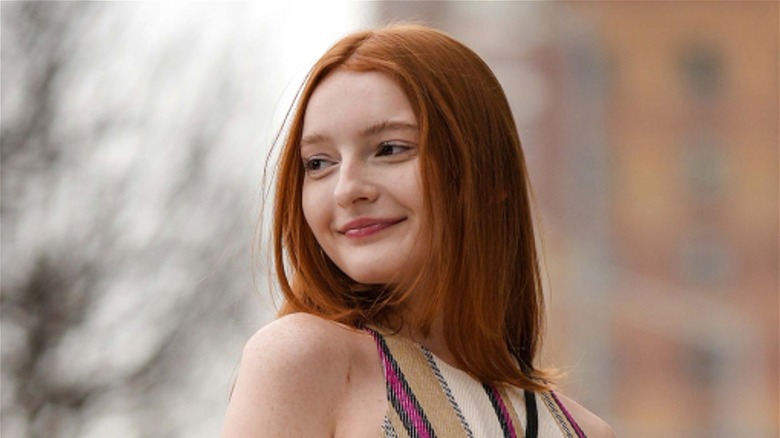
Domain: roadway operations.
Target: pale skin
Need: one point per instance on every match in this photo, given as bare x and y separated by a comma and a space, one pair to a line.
304, 376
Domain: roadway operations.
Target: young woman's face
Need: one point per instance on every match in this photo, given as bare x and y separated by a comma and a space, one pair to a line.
362, 193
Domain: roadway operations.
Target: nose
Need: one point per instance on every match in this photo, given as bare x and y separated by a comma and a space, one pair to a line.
354, 184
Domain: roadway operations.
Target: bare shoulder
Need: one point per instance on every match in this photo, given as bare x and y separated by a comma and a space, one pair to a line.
287, 368
296, 336
592, 425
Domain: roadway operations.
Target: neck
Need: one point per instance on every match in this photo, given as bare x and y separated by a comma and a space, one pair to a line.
434, 340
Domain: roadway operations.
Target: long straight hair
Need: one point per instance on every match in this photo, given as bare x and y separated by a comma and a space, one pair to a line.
482, 268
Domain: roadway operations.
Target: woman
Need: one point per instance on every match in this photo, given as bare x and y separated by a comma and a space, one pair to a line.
405, 251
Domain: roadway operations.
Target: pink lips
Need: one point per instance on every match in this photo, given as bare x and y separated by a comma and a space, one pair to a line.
363, 227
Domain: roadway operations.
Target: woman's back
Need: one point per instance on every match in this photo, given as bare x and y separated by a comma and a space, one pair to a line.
306, 376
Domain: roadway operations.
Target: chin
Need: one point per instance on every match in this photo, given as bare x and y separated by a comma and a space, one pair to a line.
370, 279
388, 270
370, 276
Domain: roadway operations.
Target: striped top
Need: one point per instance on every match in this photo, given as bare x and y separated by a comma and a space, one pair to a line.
429, 398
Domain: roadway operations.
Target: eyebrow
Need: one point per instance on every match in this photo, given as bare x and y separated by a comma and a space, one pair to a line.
388, 125
371, 130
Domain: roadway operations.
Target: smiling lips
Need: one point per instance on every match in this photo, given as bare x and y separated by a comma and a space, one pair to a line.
364, 227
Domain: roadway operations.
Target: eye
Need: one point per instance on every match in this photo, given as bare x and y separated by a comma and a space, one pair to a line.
316, 164
391, 149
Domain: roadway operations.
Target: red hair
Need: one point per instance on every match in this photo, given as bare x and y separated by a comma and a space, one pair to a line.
482, 271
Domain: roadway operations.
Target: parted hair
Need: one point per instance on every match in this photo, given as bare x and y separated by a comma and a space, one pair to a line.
481, 269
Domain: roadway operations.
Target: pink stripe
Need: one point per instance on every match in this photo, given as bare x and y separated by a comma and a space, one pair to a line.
504, 412
400, 393
580, 433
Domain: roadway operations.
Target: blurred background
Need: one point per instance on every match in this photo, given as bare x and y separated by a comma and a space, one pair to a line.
134, 138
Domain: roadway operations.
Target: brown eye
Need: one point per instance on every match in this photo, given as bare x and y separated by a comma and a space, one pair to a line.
312, 164
391, 149
315, 165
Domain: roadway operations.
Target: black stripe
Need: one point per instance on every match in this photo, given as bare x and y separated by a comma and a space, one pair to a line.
531, 415
492, 392
407, 422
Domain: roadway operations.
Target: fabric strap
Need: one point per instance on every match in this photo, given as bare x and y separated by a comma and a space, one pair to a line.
531, 416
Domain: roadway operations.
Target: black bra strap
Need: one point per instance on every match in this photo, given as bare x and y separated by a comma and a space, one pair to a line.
531, 415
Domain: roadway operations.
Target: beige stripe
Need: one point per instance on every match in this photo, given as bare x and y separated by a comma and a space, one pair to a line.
557, 414
425, 387
510, 407
395, 420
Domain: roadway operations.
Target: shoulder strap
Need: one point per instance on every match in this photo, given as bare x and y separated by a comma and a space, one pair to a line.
577, 429
531, 415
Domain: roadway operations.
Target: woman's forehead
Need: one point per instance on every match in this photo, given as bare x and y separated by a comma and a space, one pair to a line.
362, 103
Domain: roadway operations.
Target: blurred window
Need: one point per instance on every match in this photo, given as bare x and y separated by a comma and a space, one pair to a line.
703, 364
704, 170
706, 262
702, 70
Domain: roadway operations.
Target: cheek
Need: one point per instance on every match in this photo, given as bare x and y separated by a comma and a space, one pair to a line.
313, 211
417, 200
415, 194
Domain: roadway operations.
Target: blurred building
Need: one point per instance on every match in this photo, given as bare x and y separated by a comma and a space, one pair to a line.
651, 131
687, 94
